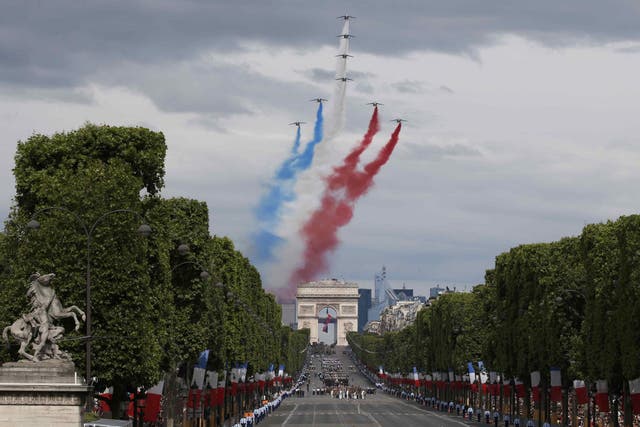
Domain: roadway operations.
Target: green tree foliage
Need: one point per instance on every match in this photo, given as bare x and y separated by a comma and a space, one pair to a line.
152, 307
569, 304
42, 157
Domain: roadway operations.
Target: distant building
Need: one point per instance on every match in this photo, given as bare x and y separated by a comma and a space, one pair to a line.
380, 283
399, 315
372, 327
364, 304
404, 294
289, 314
384, 296
434, 293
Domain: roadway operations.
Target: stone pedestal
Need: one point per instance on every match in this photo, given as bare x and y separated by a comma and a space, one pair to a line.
46, 393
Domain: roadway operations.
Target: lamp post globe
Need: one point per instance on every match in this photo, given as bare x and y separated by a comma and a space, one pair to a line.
183, 249
144, 230
33, 224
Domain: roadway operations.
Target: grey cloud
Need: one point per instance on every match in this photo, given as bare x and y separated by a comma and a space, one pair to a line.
362, 75
629, 49
74, 95
320, 75
409, 86
446, 89
62, 43
217, 91
364, 87
209, 122
324, 75
432, 152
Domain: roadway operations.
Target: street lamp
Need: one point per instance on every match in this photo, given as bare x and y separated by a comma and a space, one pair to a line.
144, 230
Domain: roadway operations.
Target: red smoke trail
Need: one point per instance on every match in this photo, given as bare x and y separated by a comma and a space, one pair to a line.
336, 210
340, 176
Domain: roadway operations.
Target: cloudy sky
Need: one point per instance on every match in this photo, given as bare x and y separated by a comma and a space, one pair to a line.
523, 116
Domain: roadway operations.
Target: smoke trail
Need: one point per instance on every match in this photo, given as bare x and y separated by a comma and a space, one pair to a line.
309, 186
299, 162
336, 210
270, 207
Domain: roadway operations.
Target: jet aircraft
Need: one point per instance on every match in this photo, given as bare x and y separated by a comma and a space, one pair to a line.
398, 120
375, 104
346, 17
297, 123
318, 100
344, 79
346, 36
345, 55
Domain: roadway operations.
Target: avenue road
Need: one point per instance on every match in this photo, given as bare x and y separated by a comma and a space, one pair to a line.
377, 409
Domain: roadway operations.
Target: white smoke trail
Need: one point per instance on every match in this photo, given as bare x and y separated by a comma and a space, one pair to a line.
310, 184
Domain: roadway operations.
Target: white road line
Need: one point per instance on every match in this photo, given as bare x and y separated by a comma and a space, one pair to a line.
294, 410
442, 417
374, 420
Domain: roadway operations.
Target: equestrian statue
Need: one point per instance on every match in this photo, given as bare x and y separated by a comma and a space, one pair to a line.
37, 328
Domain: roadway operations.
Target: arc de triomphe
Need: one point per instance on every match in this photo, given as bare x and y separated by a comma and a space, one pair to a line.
313, 297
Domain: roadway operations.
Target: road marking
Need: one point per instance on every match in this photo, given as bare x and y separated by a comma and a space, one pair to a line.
374, 420
313, 420
294, 410
442, 417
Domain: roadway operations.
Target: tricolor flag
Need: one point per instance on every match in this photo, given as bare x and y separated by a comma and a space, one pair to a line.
222, 382
506, 387
212, 381
581, 392
381, 372
202, 359
416, 379
428, 381
243, 371
105, 398
535, 386
483, 372
520, 391
556, 384
452, 376
634, 391
472, 373
234, 381
198, 377
281, 370
152, 403
271, 373
493, 387
602, 395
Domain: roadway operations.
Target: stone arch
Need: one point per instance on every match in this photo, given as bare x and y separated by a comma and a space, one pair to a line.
340, 297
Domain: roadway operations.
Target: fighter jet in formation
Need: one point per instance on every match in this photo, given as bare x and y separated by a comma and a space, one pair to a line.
398, 120
344, 56
375, 104
344, 79
346, 36
346, 17
318, 100
297, 123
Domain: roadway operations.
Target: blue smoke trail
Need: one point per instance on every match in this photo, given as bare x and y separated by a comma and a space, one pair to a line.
281, 191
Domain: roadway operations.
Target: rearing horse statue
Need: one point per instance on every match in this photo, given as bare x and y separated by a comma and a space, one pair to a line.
37, 328
43, 295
